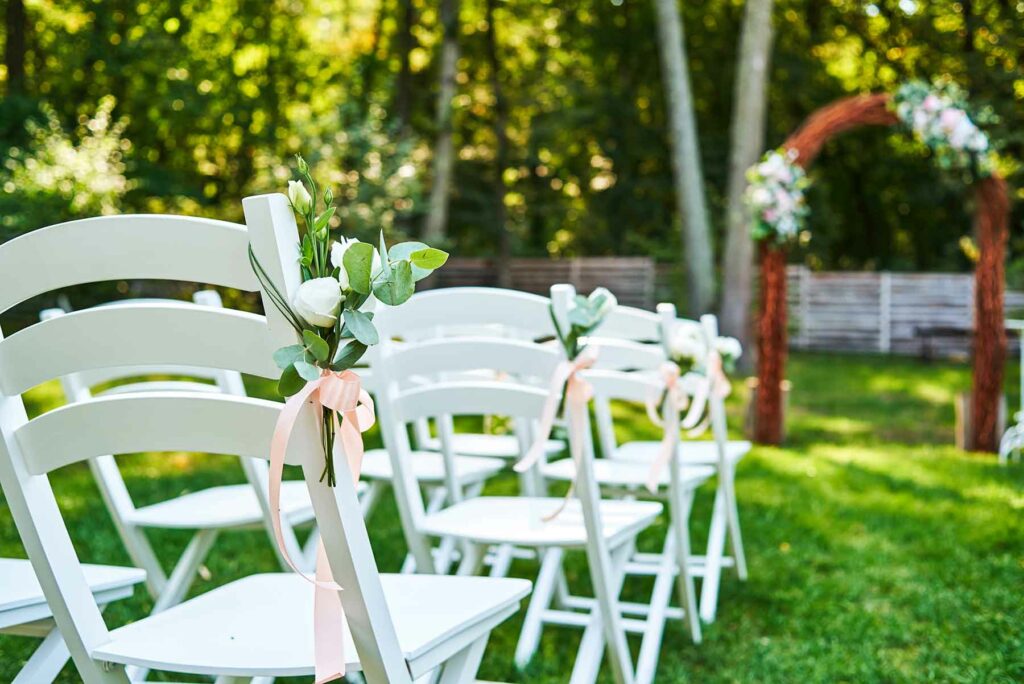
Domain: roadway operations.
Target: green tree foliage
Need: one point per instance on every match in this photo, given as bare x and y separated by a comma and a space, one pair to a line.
218, 95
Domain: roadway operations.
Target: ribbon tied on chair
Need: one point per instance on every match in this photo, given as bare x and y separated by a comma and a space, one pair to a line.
352, 408
569, 387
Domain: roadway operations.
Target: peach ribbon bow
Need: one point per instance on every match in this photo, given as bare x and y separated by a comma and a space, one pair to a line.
566, 382
342, 393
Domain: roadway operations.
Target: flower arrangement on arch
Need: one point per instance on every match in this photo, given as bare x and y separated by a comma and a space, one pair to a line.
937, 115
332, 308
775, 196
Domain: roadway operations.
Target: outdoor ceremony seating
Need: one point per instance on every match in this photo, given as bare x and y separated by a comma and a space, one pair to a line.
605, 529
720, 452
208, 511
24, 611
401, 627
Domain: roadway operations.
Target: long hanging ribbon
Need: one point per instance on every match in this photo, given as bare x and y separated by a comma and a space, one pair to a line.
716, 384
565, 382
343, 394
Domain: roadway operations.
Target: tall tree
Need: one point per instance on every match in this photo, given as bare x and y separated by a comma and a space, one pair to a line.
750, 95
14, 49
686, 166
444, 156
404, 39
499, 123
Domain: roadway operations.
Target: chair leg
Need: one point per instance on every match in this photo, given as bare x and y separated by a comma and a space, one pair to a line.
684, 579
735, 535
142, 555
472, 560
368, 503
184, 572
462, 667
596, 634
713, 559
501, 560
46, 662
540, 599
654, 629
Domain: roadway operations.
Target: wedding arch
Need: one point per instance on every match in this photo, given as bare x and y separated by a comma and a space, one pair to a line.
990, 224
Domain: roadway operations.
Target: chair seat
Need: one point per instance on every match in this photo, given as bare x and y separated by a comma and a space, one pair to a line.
21, 595
493, 446
262, 625
703, 452
428, 467
629, 474
224, 506
520, 521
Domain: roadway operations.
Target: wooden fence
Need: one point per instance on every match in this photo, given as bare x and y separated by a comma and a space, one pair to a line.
926, 314
630, 278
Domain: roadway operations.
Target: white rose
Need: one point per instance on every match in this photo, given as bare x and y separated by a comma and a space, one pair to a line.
299, 196
609, 303
729, 348
338, 250
760, 197
318, 301
687, 343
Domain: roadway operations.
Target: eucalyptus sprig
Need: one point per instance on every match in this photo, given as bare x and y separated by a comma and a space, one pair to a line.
584, 316
332, 308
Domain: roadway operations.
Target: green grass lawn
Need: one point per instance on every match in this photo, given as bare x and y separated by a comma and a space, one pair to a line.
877, 551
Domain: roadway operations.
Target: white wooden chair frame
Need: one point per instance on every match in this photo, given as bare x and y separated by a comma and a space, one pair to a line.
24, 612
629, 323
191, 637
607, 551
169, 589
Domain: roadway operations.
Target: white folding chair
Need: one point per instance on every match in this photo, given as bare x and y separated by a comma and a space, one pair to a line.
24, 612
720, 452
400, 627
605, 529
628, 372
208, 512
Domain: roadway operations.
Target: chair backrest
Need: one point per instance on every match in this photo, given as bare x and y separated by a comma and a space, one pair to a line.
453, 394
83, 386
146, 334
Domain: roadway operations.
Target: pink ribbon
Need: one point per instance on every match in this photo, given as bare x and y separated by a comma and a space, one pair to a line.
566, 382
673, 404
341, 393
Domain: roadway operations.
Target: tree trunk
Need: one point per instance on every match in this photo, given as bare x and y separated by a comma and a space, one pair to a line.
771, 346
686, 167
444, 154
746, 145
499, 123
403, 87
14, 50
989, 328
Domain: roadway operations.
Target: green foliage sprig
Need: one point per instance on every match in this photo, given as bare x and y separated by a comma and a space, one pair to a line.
585, 315
340, 280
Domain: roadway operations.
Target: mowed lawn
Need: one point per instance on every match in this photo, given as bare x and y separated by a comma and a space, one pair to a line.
877, 551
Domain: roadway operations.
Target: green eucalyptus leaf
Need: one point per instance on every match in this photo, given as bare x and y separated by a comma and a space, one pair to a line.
397, 288
403, 251
290, 382
286, 356
361, 326
348, 355
358, 262
307, 371
384, 257
316, 345
428, 258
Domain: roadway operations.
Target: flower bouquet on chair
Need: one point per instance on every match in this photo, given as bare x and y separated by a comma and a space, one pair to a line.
332, 310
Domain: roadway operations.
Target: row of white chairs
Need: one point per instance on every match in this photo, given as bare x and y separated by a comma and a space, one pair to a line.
424, 384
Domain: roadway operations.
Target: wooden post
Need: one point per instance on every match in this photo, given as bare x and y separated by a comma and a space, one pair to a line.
771, 345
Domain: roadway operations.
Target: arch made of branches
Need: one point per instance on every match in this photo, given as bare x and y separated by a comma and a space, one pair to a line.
991, 219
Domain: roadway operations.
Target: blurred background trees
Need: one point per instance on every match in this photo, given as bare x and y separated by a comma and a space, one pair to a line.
558, 120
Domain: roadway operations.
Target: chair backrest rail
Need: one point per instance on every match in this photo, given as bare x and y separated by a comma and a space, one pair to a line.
123, 248
136, 335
